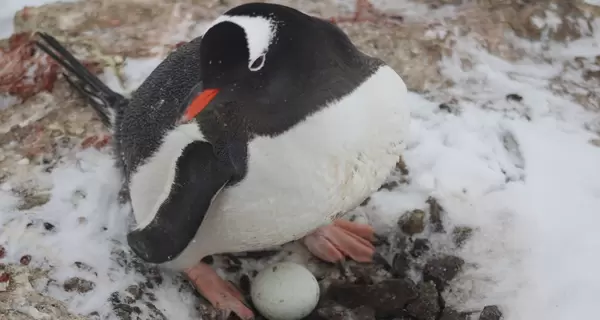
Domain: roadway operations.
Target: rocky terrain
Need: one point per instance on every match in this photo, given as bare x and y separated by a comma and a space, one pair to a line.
42, 122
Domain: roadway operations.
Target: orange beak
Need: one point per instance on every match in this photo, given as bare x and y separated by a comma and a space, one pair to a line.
199, 103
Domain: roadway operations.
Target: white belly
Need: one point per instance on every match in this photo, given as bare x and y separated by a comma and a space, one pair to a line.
300, 180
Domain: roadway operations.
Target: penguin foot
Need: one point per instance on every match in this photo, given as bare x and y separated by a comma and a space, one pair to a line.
342, 239
365, 12
220, 293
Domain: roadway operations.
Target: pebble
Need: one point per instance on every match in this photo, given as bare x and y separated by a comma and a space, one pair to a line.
442, 270
490, 313
420, 246
79, 285
461, 234
427, 306
412, 222
25, 260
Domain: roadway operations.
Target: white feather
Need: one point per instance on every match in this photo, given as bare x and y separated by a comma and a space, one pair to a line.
260, 33
151, 183
300, 180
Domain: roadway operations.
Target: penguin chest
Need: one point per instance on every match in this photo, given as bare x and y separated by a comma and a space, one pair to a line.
321, 168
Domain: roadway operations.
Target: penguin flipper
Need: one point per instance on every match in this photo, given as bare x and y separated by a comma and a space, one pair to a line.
199, 177
105, 101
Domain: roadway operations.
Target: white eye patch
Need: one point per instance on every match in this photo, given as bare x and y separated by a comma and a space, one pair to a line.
260, 33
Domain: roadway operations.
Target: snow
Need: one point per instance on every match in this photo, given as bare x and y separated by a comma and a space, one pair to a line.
524, 173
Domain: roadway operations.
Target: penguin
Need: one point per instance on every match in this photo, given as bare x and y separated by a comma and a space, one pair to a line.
263, 131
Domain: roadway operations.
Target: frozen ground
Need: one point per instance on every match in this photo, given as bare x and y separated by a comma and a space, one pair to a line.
508, 156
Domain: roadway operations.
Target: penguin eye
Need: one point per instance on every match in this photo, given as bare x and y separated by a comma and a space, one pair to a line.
258, 63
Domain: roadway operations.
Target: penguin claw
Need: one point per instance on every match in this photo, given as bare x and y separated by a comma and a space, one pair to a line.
223, 295
342, 239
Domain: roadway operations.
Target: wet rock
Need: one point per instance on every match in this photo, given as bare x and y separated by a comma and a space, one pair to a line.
461, 234
135, 291
435, 215
420, 246
514, 97
386, 298
25, 260
450, 314
400, 265
490, 313
78, 284
412, 222
336, 312
426, 306
48, 226
442, 270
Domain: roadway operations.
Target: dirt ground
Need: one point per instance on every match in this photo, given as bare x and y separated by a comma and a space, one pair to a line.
44, 123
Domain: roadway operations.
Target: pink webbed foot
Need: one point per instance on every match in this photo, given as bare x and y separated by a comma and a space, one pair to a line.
364, 11
342, 239
220, 293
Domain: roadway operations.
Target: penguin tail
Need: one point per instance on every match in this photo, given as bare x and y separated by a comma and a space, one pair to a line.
105, 101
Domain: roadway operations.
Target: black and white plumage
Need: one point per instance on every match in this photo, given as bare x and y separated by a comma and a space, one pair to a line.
303, 127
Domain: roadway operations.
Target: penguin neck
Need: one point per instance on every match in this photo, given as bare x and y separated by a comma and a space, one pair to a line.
151, 183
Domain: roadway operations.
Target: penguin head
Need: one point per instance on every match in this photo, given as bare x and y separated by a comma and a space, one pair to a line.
265, 56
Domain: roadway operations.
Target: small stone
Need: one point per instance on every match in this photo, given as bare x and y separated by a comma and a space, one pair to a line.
445, 107
83, 266
420, 246
2, 252
386, 298
490, 313
461, 234
400, 265
48, 226
389, 186
135, 291
514, 97
426, 306
25, 260
79, 285
435, 215
442, 270
412, 222
450, 314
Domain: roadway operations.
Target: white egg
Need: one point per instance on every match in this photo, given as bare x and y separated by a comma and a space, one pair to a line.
285, 291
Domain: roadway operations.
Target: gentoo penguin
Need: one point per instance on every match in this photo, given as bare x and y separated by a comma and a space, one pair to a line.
261, 132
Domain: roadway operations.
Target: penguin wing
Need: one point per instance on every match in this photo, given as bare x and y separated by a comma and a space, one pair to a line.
200, 176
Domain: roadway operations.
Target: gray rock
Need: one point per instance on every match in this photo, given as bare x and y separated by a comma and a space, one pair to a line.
442, 270
420, 246
450, 314
400, 265
412, 222
491, 313
387, 298
426, 306
78, 284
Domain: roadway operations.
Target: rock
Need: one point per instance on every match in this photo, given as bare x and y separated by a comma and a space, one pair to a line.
25, 260
78, 284
135, 291
461, 234
435, 215
2, 252
400, 265
48, 226
401, 166
514, 97
412, 222
442, 270
336, 312
450, 314
387, 298
490, 313
389, 186
420, 246
426, 306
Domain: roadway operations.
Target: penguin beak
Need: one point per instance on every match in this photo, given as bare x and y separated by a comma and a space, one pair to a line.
198, 102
